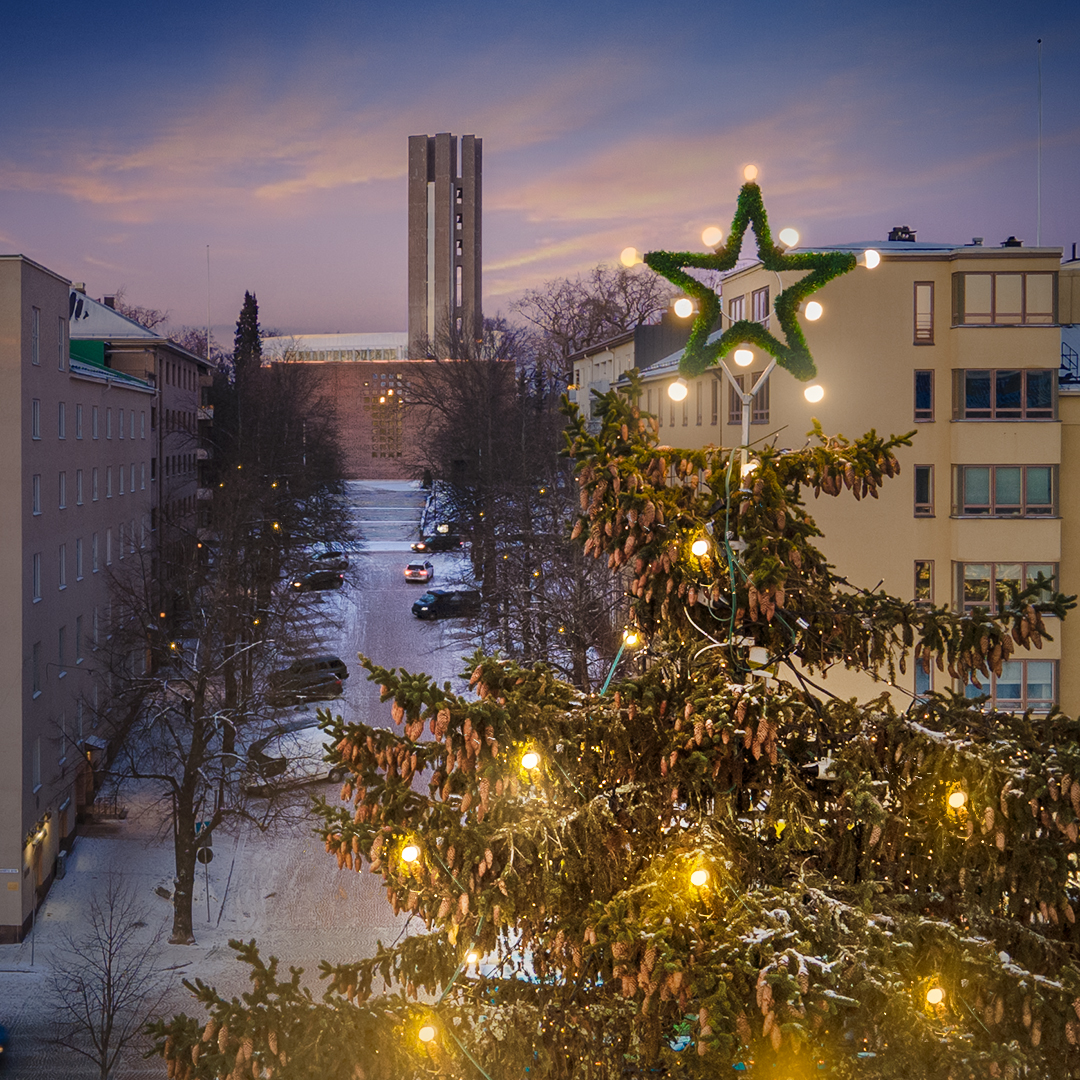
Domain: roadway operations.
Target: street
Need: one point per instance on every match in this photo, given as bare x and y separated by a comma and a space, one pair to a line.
280, 888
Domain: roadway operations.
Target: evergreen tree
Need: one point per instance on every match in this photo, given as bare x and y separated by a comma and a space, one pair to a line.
717, 864
247, 343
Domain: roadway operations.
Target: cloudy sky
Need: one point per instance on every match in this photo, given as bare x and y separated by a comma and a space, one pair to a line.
134, 135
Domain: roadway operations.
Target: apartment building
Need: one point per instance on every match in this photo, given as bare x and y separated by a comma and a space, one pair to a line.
78, 495
178, 429
964, 345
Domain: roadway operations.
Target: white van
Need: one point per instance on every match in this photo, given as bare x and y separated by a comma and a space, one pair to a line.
293, 755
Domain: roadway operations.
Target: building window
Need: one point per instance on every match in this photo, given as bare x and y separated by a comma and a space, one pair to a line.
1005, 299
759, 305
108, 481
1005, 491
108, 547
737, 308
686, 410
924, 677
78, 642
120, 422
924, 396
924, 490
35, 764
78, 487
61, 650
94, 484
131, 486
35, 668
108, 423
142, 424
78, 421
924, 313
35, 335
1005, 394
759, 405
61, 345
924, 581
35, 575
63, 736
61, 420
94, 564
78, 560
142, 476
62, 563
94, 422
62, 485
699, 390
980, 585
715, 404
35, 418
120, 480
1022, 685
131, 423
35, 493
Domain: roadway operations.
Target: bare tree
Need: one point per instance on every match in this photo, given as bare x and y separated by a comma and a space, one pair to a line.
149, 317
574, 313
107, 980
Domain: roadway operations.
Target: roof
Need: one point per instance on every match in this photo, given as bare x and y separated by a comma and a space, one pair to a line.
91, 320
100, 373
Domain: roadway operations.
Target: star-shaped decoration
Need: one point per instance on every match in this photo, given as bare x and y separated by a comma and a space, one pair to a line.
791, 353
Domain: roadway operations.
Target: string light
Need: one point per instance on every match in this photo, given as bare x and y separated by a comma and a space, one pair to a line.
711, 236
957, 800
529, 760
426, 1033
744, 357
410, 853
789, 237
935, 995
870, 258
683, 307
700, 547
699, 877
629, 256
814, 393
750, 173
678, 389
813, 311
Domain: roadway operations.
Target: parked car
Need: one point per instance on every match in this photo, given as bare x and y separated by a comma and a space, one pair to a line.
319, 579
292, 756
446, 603
330, 560
315, 686
304, 666
438, 542
419, 571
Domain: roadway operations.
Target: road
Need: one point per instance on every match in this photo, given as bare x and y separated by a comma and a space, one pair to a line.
281, 888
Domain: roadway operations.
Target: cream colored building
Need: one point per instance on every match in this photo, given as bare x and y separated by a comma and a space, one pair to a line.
962, 344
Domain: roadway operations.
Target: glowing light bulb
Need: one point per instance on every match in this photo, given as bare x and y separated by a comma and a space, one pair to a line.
629, 256
699, 547
813, 311
814, 393
684, 307
712, 236
631, 637
750, 173
472, 956
744, 357
789, 237
957, 800
678, 389
699, 877
530, 759
871, 258
410, 853
426, 1033
935, 995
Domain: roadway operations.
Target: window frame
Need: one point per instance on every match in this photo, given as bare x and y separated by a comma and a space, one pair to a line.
924, 507
759, 306
923, 415
922, 324
1023, 703
961, 503
961, 411
966, 607
994, 317
928, 598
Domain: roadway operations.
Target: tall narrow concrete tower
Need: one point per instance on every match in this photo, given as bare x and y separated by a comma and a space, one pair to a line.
444, 238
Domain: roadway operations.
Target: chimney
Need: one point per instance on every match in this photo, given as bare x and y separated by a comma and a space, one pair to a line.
977, 241
1012, 242
79, 287
902, 232
109, 301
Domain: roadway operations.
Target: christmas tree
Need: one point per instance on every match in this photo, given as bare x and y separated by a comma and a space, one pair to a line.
715, 865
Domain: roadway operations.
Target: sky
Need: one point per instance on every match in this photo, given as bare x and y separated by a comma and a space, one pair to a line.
135, 137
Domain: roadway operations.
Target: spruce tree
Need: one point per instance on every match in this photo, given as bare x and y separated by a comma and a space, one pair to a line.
247, 343
715, 865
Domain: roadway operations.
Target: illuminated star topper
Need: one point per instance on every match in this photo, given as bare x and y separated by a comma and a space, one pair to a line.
791, 353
